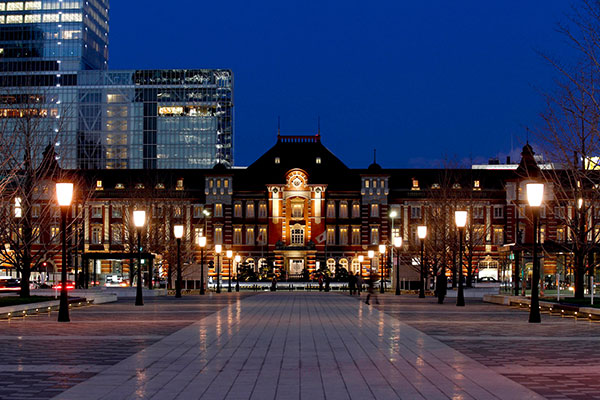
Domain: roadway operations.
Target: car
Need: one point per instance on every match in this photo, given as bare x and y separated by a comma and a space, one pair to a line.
58, 286
9, 284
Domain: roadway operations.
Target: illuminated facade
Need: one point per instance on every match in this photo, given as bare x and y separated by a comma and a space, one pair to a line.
53, 63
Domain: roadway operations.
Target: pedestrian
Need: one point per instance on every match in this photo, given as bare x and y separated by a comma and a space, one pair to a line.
320, 280
359, 283
352, 280
327, 282
441, 287
274, 284
371, 288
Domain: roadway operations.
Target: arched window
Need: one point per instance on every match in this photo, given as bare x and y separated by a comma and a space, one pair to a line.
250, 263
297, 234
331, 264
355, 265
343, 263
262, 263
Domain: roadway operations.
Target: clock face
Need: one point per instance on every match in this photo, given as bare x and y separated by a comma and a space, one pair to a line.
297, 182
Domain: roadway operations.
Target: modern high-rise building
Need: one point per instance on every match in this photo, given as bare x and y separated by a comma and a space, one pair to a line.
54, 67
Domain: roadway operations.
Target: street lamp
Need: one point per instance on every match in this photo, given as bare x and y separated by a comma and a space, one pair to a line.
237, 259
64, 196
230, 256
202, 244
361, 260
535, 196
460, 218
218, 249
139, 219
397, 245
178, 232
382, 253
393, 215
422, 234
370, 254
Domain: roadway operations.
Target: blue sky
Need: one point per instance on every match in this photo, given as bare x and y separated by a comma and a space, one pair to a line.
420, 81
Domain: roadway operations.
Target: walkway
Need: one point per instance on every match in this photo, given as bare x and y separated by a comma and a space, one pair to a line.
298, 346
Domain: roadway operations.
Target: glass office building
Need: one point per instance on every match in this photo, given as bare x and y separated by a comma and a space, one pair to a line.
53, 65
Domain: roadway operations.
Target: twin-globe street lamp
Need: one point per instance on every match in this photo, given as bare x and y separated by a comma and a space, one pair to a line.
422, 234
397, 245
370, 254
237, 259
178, 232
202, 244
139, 219
218, 249
460, 218
382, 256
229, 256
535, 196
64, 196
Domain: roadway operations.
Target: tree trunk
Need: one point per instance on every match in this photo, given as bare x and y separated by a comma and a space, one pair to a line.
454, 275
470, 271
579, 275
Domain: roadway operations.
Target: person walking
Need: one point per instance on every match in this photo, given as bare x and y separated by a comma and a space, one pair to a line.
352, 280
359, 283
441, 287
320, 280
327, 282
371, 288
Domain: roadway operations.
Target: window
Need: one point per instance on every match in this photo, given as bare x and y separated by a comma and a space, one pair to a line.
119, 186
318, 160
262, 236
218, 210
355, 265
375, 210
331, 264
117, 212
414, 237
99, 185
262, 210
160, 186
157, 211
560, 234
117, 234
35, 211
277, 160
498, 212
297, 234
218, 235
297, 210
355, 210
330, 235
237, 235
237, 210
179, 184
96, 235
250, 236
96, 211
478, 234
343, 209
374, 235
197, 210
476, 185
139, 185
177, 211
415, 184
395, 233
498, 235
542, 233
415, 212
198, 232
343, 235
356, 235
559, 212
367, 183
331, 209
250, 209
343, 263
543, 211
478, 212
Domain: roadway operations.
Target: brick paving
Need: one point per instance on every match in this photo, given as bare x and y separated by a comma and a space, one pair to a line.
559, 358
42, 358
299, 345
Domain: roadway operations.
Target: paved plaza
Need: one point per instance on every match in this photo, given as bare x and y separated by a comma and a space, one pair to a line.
293, 345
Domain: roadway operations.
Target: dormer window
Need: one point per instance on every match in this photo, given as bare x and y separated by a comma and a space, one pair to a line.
160, 186
456, 186
318, 160
435, 186
415, 184
179, 184
277, 160
119, 186
476, 185
99, 185
139, 185
367, 183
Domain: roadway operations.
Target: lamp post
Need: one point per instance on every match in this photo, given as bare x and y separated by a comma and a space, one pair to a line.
397, 245
218, 249
361, 260
229, 256
64, 196
393, 215
178, 231
370, 254
535, 196
382, 254
237, 259
139, 219
460, 218
422, 234
202, 244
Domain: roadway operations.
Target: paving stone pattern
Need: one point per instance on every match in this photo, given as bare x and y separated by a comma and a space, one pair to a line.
299, 346
42, 358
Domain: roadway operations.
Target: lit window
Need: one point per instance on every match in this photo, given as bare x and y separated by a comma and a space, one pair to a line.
50, 18
262, 210
14, 19
415, 212
14, 6
262, 236
330, 235
374, 235
375, 210
355, 210
318, 160
55, 233
99, 185
177, 211
367, 183
297, 234
250, 210
498, 235
71, 17
218, 210
160, 186
139, 185
356, 235
250, 236
218, 235
277, 160
198, 234
237, 210
97, 212
237, 235
117, 234
179, 184
33, 18
498, 212
297, 210
343, 235
343, 209
96, 235
415, 184
331, 209
33, 5
476, 185
119, 186
331, 264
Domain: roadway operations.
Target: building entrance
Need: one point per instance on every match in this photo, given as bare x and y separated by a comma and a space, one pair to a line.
296, 266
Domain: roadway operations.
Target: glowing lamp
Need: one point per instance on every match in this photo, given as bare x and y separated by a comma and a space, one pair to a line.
397, 241
460, 218
382, 248
64, 194
178, 231
229, 253
218, 248
139, 218
202, 241
361, 258
421, 231
535, 194
371, 253
238, 258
